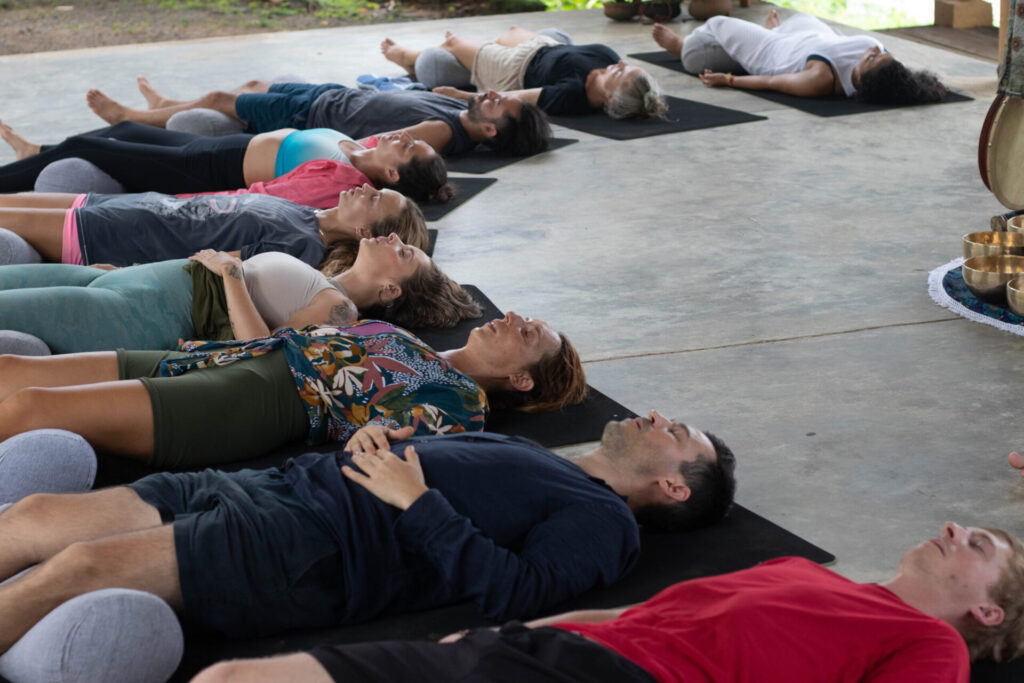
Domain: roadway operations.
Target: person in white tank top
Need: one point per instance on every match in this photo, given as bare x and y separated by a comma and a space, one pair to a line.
389, 280
801, 56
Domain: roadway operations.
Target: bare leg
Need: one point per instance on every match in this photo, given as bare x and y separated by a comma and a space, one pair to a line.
464, 49
296, 668
42, 228
667, 39
116, 417
140, 560
38, 200
515, 35
402, 56
70, 369
154, 99
39, 526
113, 112
22, 147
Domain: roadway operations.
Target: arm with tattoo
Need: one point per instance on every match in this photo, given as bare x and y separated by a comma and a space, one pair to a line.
246, 321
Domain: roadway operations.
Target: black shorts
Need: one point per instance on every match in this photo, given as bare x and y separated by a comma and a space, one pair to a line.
252, 558
515, 654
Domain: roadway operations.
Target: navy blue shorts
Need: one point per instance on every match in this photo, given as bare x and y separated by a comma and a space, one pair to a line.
252, 559
511, 655
284, 105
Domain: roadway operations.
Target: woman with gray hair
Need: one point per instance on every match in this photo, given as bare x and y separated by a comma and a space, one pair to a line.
539, 68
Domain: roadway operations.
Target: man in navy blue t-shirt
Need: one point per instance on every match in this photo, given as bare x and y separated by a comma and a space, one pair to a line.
340, 538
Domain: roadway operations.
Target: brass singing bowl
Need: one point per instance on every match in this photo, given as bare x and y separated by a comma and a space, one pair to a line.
1015, 295
986, 276
1015, 224
993, 244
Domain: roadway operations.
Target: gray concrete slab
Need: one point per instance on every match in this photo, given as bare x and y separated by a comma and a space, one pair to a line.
766, 280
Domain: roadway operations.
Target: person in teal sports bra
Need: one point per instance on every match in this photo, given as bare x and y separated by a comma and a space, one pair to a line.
144, 158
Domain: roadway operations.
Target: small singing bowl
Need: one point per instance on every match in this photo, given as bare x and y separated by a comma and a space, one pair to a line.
986, 276
1015, 295
993, 244
1015, 224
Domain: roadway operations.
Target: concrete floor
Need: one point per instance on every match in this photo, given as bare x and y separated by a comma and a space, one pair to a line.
767, 281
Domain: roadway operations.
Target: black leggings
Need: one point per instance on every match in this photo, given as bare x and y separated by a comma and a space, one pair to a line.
143, 158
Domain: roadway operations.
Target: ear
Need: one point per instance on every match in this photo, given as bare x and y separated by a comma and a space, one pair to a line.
488, 129
676, 489
988, 614
389, 291
391, 175
521, 381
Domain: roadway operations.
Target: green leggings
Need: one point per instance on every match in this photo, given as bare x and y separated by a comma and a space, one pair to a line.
77, 308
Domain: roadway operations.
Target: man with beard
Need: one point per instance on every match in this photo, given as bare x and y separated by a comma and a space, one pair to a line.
335, 538
502, 122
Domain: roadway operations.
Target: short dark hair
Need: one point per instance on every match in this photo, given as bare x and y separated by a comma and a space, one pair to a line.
529, 134
894, 83
712, 488
425, 181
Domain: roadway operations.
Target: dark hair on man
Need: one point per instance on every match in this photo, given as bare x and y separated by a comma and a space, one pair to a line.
712, 487
530, 134
425, 181
894, 83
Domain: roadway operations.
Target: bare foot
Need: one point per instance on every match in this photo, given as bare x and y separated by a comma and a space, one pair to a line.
772, 21
1017, 461
154, 99
22, 147
667, 39
401, 56
107, 109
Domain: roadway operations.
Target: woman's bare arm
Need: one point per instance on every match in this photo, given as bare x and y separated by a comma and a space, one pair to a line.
814, 81
329, 307
246, 321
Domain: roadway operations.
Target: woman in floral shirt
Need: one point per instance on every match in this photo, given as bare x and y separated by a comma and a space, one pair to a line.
216, 402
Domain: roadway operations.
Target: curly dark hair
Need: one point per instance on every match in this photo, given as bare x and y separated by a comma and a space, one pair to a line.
894, 83
425, 181
712, 488
530, 134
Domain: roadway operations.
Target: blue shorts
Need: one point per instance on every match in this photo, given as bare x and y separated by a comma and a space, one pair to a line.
252, 558
284, 105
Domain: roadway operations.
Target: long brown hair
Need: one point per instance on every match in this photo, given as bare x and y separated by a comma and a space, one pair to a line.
409, 225
558, 382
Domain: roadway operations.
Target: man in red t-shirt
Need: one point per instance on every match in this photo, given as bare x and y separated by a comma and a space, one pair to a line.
956, 597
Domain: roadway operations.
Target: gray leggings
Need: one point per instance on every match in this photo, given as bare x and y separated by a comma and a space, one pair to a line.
113, 635
436, 66
701, 51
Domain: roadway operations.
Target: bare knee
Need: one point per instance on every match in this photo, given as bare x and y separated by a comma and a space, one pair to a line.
83, 563
297, 668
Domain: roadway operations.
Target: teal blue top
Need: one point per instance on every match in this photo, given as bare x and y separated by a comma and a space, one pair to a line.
307, 145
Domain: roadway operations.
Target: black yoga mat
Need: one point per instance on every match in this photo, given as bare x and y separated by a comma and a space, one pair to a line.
741, 540
819, 106
683, 115
483, 160
431, 241
987, 671
465, 189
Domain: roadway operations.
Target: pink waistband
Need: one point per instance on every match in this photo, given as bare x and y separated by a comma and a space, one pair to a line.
71, 251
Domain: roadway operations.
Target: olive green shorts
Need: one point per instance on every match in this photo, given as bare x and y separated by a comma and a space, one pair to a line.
219, 414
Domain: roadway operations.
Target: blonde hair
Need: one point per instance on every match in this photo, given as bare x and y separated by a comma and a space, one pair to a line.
1005, 640
639, 97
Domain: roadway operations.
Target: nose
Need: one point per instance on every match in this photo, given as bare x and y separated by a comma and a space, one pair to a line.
657, 419
392, 237
492, 95
366, 187
513, 318
953, 531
